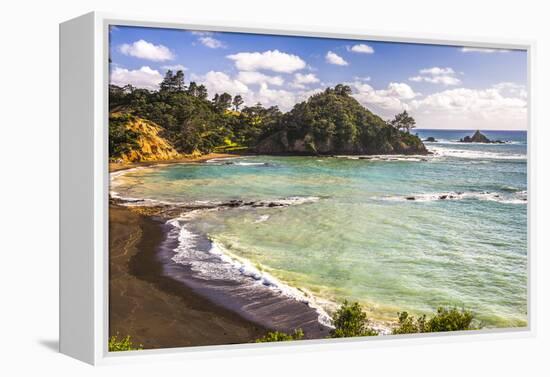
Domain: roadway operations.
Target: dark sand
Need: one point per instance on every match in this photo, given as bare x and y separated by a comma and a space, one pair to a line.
156, 311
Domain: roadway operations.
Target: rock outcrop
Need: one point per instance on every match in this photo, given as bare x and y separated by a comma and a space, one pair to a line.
146, 143
478, 137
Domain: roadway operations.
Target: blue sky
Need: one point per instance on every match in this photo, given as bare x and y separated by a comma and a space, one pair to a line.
445, 87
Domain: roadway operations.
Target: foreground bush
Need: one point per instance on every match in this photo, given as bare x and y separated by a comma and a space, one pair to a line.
350, 320
444, 320
277, 336
122, 344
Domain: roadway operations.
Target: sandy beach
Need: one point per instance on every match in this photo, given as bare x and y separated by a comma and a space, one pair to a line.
155, 310
118, 166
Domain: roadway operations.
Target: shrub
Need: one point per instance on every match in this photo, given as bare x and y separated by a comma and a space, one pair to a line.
444, 320
350, 320
277, 336
122, 344
409, 324
450, 320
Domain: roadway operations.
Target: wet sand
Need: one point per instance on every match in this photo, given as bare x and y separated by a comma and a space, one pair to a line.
155, 310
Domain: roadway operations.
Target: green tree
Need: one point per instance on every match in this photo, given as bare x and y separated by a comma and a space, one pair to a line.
277, 336
450, 320
409, 324
237, 101
343, 90
121, 140
173, 83
179, 81
192, 90
122, 344
444, 320
222, 101
350, 320
167, 83
403, 121
202, 93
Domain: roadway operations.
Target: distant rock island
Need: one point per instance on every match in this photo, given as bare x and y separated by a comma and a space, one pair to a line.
431, 139
478, 137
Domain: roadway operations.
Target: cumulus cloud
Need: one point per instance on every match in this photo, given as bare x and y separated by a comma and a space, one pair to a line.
362, 48
219, 82
437, 75
391, 99
273, 97
273, 60
301, 80
362, 78
333, 58
175, 67
211, 42
144, 77
146, 50
492, 108
248, 77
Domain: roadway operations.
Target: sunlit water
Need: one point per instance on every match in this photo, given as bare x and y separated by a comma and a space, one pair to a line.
356, 233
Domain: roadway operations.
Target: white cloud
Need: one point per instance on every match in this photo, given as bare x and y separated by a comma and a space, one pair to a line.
145, 50
434, 71
248, 77
492, 108
511, 89
301, 80
386, 101
273, 60
333, 58
362, 48
483, 50
362, 78
175, 67
273, 97
144, 77
212, 42
437, 75
219, 82
199, 32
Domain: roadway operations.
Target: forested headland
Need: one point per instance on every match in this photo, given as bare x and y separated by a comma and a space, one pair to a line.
183, 120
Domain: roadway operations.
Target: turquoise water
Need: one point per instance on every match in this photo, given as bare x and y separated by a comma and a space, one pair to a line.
355, 232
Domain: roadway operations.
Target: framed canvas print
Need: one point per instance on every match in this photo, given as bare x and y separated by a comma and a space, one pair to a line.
227, 188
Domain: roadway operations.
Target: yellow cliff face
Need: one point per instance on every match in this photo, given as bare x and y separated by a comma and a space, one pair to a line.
152, 146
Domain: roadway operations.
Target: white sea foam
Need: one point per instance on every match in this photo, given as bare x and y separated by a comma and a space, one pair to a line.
519, 197
262, 219
456, 142
251, 163
396, 157
474, 154
219, 263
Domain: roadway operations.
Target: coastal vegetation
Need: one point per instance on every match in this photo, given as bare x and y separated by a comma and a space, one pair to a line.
122, 344
182, 115
445, 319
350, 320
278, 336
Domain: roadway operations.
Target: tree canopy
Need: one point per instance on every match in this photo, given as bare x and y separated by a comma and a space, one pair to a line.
332, 120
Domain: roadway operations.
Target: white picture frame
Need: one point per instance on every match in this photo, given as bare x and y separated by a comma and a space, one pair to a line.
84, 180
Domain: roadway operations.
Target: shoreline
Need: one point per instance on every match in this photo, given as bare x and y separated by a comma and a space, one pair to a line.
120, 166
289, 307
154, 309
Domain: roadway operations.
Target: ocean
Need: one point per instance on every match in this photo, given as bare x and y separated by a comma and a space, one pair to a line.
395, 233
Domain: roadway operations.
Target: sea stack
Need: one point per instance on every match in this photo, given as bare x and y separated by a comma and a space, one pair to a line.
478, 137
